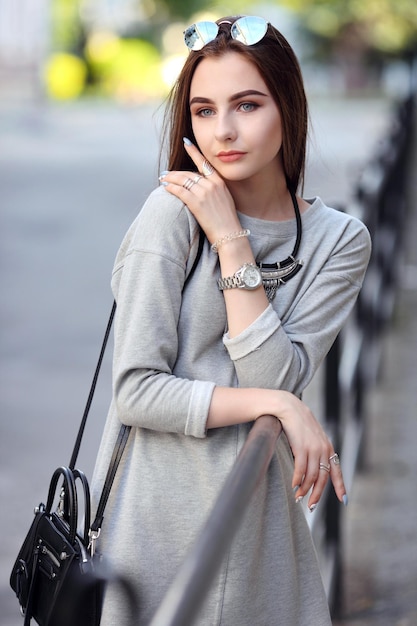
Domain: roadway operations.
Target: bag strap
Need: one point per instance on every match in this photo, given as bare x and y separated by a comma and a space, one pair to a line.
201, 239
92, 389
118, 449
29, 604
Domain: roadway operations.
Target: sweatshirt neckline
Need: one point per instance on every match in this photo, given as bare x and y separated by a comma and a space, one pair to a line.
282, 228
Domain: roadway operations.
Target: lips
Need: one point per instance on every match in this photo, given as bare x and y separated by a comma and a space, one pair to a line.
229, 157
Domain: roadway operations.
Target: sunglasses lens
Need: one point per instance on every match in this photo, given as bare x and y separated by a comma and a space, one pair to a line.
197, 35
249, 30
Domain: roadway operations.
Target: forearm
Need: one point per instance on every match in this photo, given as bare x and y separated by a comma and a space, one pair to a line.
230, 405
243, 307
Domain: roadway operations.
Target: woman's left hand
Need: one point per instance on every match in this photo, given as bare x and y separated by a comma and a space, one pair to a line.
207, 197
315, 459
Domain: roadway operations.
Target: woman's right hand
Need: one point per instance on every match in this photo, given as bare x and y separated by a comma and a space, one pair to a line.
311, 448
208, 199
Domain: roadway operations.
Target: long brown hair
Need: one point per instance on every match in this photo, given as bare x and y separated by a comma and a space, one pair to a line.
277, 64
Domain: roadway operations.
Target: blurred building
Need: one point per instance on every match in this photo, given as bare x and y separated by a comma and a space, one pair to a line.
119, 16
23, 45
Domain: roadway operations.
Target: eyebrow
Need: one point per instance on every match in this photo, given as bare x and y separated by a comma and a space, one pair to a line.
236, 96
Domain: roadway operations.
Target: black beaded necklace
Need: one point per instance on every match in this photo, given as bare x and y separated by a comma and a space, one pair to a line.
279, 273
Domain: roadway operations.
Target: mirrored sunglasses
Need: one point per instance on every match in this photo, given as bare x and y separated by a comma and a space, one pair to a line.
248, 30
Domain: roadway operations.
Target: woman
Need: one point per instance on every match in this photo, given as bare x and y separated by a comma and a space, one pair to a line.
195, 364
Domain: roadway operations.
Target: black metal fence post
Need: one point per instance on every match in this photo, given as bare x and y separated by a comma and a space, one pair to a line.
332, 512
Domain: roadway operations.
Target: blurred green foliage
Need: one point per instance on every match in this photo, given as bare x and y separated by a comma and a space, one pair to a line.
383, 26
184, 8
66, 25
128, 69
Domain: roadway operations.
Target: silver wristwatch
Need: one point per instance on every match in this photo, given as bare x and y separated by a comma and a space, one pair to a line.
247, 277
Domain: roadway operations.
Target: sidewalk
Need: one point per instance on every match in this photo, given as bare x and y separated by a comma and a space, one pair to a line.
380, 573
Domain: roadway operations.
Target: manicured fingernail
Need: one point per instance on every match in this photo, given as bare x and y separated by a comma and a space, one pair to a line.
296, 488
164, 183
312, 507
163, 174
187, 141
345, 499
297, 500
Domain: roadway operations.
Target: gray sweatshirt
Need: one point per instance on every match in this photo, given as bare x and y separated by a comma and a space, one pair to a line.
171, 350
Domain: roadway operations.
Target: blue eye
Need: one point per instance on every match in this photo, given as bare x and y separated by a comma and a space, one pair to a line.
248, 106
205, 112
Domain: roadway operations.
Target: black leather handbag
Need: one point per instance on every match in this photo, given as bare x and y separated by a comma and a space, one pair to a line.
55, 576
58, 578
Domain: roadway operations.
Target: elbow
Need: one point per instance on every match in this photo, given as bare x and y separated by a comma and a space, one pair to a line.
129, 396
299, 372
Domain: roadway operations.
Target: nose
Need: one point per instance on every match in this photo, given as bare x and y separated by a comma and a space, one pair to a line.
225, 129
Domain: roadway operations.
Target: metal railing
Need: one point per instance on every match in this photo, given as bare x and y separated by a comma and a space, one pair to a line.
350, 370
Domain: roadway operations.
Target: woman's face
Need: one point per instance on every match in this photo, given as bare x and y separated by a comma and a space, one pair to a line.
236, 122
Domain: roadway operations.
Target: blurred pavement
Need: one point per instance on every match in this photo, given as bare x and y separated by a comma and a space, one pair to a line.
72, 178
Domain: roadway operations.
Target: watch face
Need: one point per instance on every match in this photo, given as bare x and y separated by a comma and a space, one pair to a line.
251, 277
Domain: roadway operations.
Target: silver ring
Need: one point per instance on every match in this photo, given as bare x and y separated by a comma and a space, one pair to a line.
207, 168
324, 467
188, 184
335, 458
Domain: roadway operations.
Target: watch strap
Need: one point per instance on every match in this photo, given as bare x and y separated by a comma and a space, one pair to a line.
236, 281
230, 282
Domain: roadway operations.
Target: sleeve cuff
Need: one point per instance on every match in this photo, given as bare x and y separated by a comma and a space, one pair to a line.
196, 424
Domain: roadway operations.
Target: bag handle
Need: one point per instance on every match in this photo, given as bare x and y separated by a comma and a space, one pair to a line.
79, 475
68, 496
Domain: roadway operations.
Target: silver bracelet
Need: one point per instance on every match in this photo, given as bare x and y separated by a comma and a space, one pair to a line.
241, 233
